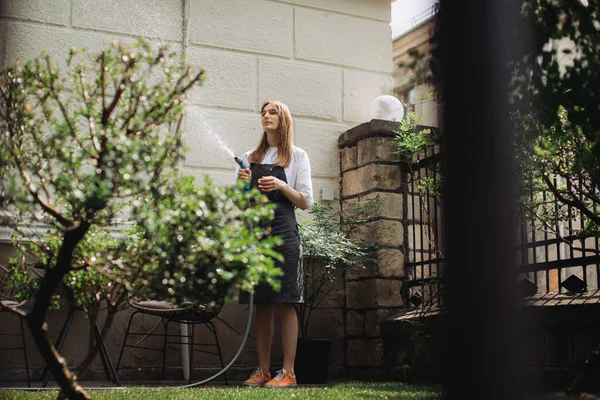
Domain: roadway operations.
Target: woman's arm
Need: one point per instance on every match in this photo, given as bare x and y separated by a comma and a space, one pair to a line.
301, 194
270, 183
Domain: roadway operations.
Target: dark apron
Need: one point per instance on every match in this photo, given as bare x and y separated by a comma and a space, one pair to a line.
283, 225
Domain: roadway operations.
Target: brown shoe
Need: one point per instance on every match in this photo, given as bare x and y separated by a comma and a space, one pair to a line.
283, 379
258, 378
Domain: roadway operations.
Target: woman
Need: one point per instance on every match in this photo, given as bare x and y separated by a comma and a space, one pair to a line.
282, 172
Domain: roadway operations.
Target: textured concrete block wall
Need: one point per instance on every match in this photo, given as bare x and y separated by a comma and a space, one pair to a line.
327, 59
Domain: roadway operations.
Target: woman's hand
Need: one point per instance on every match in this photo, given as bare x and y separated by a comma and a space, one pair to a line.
270, 184
245, 174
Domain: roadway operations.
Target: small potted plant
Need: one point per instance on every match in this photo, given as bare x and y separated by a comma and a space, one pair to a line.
326, 248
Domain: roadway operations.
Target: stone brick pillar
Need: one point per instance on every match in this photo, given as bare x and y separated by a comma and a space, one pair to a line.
369, 168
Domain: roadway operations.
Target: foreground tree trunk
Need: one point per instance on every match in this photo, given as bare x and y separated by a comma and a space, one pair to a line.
37, 318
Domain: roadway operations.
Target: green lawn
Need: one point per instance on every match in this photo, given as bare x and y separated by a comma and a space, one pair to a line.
376, 390
343, 391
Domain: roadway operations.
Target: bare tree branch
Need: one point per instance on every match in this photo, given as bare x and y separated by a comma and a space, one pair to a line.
573, 203
48, 207
91, 125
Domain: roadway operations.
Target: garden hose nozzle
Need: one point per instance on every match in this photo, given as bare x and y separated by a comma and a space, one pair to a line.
242, 166
240, 162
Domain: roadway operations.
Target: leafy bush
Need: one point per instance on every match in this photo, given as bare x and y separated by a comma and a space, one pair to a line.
87, 145
194, 242
326, 247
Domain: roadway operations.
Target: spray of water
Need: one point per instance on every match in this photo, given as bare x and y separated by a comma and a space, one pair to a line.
205, 126
207, 129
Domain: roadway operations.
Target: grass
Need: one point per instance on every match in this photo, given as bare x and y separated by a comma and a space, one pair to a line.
356, 390
392, 390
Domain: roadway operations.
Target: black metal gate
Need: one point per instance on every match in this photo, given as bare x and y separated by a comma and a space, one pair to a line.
554, 256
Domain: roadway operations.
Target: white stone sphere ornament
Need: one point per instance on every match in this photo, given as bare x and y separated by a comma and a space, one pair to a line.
388, 108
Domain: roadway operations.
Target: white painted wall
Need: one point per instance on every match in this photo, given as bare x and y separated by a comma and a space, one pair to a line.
327, 59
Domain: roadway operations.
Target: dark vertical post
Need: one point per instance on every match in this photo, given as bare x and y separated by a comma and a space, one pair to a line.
3, 35
479, 198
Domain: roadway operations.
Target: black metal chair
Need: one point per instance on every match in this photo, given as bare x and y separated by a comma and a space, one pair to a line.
189, 314
107, 364
9, 305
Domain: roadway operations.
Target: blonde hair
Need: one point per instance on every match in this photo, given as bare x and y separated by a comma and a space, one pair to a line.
284, 137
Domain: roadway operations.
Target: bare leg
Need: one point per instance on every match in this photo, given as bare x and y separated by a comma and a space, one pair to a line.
289, 334
264, 334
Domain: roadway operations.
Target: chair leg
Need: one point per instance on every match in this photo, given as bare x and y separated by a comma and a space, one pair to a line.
164, 360
109, 368
60, 341
125, 341
213, 329
190, 341
25, 352
102, 356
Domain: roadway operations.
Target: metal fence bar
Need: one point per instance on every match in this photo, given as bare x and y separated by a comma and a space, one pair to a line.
540, 248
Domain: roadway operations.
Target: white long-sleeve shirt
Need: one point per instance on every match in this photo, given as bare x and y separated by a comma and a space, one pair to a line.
297, 173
